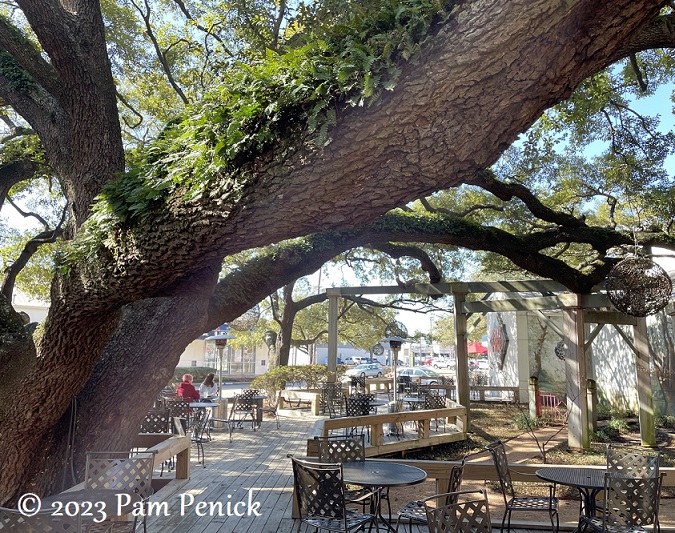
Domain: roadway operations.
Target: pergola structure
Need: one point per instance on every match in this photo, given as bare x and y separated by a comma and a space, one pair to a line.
577, 309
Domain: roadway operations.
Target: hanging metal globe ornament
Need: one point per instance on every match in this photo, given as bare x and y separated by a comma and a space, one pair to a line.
638, 286
247, 321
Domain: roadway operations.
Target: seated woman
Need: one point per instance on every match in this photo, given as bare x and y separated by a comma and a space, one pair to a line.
187, 390
208, 389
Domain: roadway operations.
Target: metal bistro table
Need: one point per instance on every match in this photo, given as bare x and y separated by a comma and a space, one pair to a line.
589, 481
381, 475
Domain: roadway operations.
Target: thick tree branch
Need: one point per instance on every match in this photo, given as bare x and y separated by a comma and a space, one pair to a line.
507, 191
13, 173
28, 57
398, 251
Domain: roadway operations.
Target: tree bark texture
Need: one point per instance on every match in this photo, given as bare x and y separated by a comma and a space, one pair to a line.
484, 78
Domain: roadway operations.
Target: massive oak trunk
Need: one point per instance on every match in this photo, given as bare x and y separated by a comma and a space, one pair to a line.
484, 78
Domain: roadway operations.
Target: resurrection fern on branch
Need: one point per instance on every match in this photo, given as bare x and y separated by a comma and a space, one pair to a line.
296, 94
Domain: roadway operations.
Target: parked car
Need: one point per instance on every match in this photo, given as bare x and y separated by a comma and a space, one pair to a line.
370, 370
442, 362
425, 375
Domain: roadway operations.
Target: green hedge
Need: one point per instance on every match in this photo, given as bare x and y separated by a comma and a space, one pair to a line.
199, 373
276, 379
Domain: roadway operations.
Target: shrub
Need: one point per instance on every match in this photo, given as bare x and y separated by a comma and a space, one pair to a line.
199, 373
308, 376
665, 421
527, 422
618, 424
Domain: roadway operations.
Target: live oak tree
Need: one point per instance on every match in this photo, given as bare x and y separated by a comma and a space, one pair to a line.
286, 150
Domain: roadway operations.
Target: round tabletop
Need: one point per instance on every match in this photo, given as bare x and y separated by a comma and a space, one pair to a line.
584, 478
196, 405
381, 474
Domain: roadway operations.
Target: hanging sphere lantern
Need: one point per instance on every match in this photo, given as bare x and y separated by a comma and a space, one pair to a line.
638, 286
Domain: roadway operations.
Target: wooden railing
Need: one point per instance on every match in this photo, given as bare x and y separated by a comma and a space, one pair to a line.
420, 438
165, 446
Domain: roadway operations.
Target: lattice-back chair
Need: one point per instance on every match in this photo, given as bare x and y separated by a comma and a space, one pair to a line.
413, 388
156, 421
243, 409
179, 407
331, 397
338, 449
434, 401
404, 383
415, 512
358, 383
200, 433
631, 505
358, 405
632, 462
319, 492
464, 512
121, 471
547, 504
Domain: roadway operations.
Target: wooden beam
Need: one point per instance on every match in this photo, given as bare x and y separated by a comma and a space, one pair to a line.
542, 286
609, 317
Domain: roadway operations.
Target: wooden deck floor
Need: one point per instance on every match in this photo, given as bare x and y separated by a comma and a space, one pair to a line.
253, 467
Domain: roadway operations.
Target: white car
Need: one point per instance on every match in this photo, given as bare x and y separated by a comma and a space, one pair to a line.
441, 362
370, 370
425, 376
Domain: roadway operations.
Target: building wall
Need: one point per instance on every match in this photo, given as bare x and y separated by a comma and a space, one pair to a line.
611, 361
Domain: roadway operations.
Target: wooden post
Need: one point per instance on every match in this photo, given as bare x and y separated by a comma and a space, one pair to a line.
644, 385
462, 356
592, 393
535, 404
333, 296
578, 437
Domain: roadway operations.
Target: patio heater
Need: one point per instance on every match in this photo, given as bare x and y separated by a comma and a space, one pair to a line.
395, 345
221, 343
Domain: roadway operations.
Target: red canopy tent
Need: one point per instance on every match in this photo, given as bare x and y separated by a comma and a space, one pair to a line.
476, 348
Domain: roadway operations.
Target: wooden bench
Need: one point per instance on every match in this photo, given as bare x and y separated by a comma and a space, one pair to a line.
311, 397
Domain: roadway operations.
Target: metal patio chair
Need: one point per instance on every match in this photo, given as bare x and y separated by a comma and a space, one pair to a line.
546, 504
463, 512
337, 449
415, 512
319, 492
631, 505
273, 409
632, 462
200, 433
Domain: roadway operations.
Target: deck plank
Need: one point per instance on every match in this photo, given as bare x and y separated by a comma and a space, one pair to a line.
256, 461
